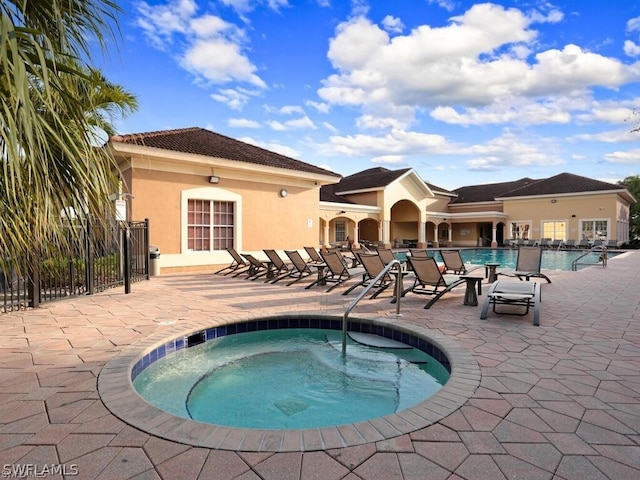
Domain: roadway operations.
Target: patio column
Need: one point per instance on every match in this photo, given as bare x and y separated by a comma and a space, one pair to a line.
494, 235
450, 236
326, 234
422, 237
356, 236
385, 224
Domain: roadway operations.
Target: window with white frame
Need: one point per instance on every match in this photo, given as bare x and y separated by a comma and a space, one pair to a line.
520, 230
554, 229
596, 229
210, 225
341, 231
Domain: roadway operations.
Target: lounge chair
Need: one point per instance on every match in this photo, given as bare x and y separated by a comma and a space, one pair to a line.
512, 293
336, 271
277, 268
429, 280
556, 243
570, 243
238, 264
612, 243
373, 265
300, 269
386, 255
419, 252
453, 263
314, 256
527, 265
584, 243
257, 268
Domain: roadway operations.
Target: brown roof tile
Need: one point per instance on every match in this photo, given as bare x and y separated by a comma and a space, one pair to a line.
488, 192
563, 183
200, 141
372, 178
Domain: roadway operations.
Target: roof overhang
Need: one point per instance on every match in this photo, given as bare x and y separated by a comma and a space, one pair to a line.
181, 158
622, 192
349, 207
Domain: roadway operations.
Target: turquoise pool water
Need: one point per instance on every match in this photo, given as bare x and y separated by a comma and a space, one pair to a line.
507, 257
289, 379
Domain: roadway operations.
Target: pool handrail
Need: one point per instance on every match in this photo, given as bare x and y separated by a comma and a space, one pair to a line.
595, 248
366, 289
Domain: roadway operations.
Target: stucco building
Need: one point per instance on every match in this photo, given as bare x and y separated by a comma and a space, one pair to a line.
203, 192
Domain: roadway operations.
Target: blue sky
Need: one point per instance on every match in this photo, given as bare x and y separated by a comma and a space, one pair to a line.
463, 92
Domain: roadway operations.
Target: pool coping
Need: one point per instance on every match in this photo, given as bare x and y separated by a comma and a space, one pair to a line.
116, 391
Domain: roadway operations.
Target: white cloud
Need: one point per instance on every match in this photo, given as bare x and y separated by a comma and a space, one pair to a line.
448, 5
633, 24
242, 123
295, 124
329, 127
631, 49
612, 136
394, 160
235, 99
291, 109
629, 157
205, 45
396, 142
321, 107
480, 58
392, 24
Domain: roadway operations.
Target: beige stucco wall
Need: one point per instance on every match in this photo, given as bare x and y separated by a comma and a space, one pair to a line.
571, 209
265, 220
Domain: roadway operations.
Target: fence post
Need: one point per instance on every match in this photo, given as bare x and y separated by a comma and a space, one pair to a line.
146, 246
126, 253
88, 259
33, 284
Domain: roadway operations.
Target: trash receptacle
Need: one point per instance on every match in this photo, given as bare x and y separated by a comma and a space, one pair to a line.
154, 260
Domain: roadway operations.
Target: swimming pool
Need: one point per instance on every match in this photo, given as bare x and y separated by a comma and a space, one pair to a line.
507, 257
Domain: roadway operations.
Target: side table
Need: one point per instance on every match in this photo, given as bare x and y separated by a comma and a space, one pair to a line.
470, 297
490, 271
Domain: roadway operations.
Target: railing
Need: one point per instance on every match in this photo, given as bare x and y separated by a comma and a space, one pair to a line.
601, 259
368, 287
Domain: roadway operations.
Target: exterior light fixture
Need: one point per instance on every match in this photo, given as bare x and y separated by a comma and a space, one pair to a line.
342, 211
554, 201
214, 179
283, 193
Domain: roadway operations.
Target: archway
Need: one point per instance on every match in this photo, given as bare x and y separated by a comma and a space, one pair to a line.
405, 224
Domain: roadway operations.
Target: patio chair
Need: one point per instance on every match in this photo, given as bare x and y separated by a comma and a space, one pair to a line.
419, 252
569, 243
556, 243
344, 259
386, 255
584, 243
314, 256
453, 263
300, 269
513, 294
612, 243
238, 264
277, 267
373, 265
527, 265
257, 268
429, 280
336, 271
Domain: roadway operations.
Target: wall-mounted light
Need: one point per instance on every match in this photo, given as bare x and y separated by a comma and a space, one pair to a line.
554, 201
573, 216
214, 179
342, 211
283, 192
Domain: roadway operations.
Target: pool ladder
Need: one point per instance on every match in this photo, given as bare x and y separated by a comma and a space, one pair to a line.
393, 263
596, 248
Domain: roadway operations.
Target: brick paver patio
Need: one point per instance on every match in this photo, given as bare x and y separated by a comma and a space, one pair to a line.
559, 401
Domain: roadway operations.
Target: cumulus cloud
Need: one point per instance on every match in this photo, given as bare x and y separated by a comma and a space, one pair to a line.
465, 70
235, 99
295, 124
242, 123
631, 49
629, 157
204, 44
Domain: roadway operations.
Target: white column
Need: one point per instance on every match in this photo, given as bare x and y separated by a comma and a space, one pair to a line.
326, 234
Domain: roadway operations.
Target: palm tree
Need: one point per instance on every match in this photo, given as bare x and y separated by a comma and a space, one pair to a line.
50, 103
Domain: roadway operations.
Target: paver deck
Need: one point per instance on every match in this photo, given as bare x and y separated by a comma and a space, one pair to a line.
558, 401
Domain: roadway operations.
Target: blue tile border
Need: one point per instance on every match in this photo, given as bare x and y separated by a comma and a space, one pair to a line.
312, 322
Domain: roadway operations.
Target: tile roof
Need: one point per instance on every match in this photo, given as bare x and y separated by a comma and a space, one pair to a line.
328, 194
200, 141
369, 179
487, 192
563, 183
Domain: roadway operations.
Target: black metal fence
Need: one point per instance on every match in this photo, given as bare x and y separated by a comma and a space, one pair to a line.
97, 258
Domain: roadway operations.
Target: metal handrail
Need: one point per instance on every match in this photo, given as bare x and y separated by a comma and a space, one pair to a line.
384, 271
595, 248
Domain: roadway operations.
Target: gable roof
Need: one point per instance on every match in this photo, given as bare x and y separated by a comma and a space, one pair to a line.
488, 192
372, 178
561, 184
199, 141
